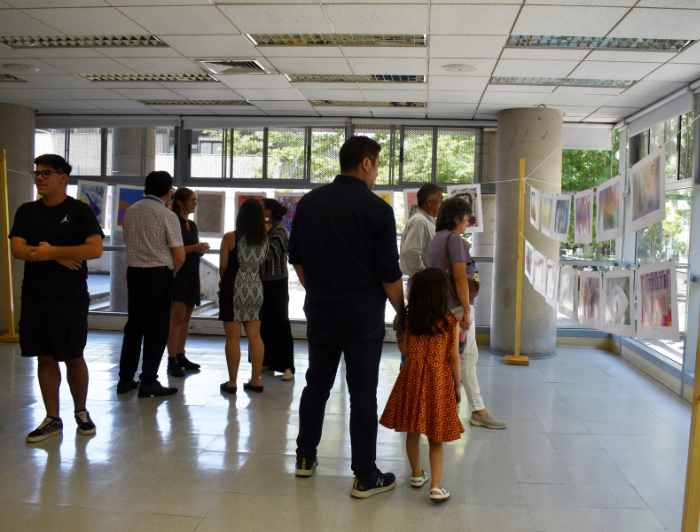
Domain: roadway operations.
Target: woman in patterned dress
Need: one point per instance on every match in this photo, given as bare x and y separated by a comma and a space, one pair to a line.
242, 253
426, 394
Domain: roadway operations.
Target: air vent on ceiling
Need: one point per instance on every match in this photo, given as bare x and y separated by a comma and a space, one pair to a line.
82, 41
597, 43
354, 78
336, 39
189, 78
338, 103
195, 102
7, 78
564, 82
233, 66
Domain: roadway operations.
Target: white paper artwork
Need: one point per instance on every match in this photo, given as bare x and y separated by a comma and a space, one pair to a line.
209, 213
535, 211
552, 283
609, 208
657, 299
618, 302
589, 299
647, 198
529, 260
539, 273
568, 292
583, 217
472, 195
95, 195
562, 216
547, 214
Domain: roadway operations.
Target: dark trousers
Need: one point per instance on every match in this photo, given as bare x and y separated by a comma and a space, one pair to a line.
150, 301
362, 351
275, 329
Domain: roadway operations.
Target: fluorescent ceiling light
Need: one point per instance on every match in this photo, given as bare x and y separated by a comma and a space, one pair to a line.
563, 82
195, 102
336, 39
597, 43
7, 78
338, 103
189, 78
232, 66
355, 78
92, 41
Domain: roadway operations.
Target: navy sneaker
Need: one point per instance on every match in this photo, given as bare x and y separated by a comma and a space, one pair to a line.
362, 489
305, 467
51, 426
85, 424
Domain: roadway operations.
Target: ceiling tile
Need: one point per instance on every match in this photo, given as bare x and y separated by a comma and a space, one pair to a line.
568, 20
675, 72
611, 3
161, 65
398, 112
454, 96
274, 105
262, 18
617, 113
67, 104
124, 3
343, 111
252, 81
378, 18
345, 95
450, 116
534, 68
180, 20
514, 98
118, 105
689, 55
307, 65
475, 46
21, 4
590, 90
15, 22
139, 51
472, 19
208, 94
312, 112
660, 24
484, 67
644, 93
571, 98
62, 82
91, 66
399, 96
686, 4
204, 46
632, 57
33, 94
270, 94
573, 110
612, 70
535, 53
180, 85
451, 108
459, 83
387, 66
327, 86
520, 88
183, 109
387, 86
485, 116
44, 68
149, 94
91, 94
100, 21
9, 53
301, 51
51, 53
230, 110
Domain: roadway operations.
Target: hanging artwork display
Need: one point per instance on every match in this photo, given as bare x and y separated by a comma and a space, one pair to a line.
589, 299
568, 292
241, 197
410, 202
618, 302
535, 207
472, 195
547, 215
647, 199
562, 213
539, 273
552, 283
209, 213
387, 196
290, 201
657, 300
125, 197
609, 218
95, 195
583, 217
529, 260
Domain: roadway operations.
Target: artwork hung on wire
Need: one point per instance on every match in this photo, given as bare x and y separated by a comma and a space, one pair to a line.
562, 213
126, 196
609, 217
547, 216
241, 197
529, 260
647, 180
552, 283
209, 214
387, 196
472, 195
539, 273
583, 217
290, 201
657, 301
568, 292
589, 299
535, 207
618, 302
410, 202
95, 195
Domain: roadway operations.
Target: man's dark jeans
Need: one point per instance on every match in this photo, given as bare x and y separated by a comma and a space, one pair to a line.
150, 301
362, 351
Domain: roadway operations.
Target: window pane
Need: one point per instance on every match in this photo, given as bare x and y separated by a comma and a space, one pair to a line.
325, 150
666, 134
207, 153
135, 151
81, 147
488, 158
285, 153
417, 154
246, 151
50, 141
387, 137
456, 155
686, 152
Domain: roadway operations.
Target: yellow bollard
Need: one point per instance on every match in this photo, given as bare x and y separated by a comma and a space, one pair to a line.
11, 335
691, 504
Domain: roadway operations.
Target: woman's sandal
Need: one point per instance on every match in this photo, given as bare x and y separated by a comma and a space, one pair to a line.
225, 388
251, 388
439, 494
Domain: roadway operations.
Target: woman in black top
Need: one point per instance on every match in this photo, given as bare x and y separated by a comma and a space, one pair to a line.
275, 329
186, 285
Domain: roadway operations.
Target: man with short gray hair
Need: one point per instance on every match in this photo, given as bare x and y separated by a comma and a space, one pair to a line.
420, 230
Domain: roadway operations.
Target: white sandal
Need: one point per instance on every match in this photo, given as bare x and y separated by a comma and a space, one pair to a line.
417, 482
439, 494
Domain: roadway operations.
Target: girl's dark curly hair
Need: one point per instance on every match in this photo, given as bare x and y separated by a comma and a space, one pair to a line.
427, 310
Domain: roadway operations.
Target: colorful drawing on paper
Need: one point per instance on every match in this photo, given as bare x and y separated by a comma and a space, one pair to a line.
583, 217
535, 207
658, 301
290, 201
209, 214
562, 213
126, 197
647, 191
617, 302
547, 219
387, 196
529, 259
410, 202
568, 292
95, 195
472, 195
552, 283
539, 273
589, 301
610, 209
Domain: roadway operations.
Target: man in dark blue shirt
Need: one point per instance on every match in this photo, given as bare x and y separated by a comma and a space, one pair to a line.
343, 248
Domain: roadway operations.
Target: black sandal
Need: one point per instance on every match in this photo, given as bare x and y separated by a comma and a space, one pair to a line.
225, 388
251, 388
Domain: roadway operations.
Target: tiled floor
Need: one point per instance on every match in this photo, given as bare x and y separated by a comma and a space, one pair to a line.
592, 445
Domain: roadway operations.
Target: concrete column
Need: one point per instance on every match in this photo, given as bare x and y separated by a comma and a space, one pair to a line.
483, 247
535, 135
17, 139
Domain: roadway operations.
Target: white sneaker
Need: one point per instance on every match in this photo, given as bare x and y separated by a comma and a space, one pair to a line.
439, 494
417, 482
288, 375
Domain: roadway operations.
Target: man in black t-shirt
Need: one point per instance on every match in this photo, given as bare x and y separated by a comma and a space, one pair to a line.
55, 235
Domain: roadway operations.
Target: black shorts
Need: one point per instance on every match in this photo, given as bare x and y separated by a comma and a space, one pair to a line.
58, 328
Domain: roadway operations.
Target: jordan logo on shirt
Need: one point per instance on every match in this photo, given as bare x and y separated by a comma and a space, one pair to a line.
65, 220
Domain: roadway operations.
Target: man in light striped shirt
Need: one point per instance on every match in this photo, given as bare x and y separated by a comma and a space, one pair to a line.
154, 253
420, 230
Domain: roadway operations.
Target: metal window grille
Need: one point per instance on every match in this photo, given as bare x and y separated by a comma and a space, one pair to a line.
246, 147
81, 147
417, 154
456, 155
133, 151
488, 156
325, 153
388, 138
208, 153
286, 150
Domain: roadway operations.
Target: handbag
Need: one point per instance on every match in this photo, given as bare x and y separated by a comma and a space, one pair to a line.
451, 283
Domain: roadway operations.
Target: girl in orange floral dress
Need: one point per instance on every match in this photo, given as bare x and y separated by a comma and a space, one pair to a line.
426, 394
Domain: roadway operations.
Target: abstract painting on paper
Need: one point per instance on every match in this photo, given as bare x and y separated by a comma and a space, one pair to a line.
472, 195
647, 203
410, 202
241, 197
535, 207
589, 299
209, 214
95, 195
562, 213
387, 196
657, 300
568, 292
539, 273
529, 260
547, 217
609, 217
618, 302
552, 283
126, 196
290, 201
583, 217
